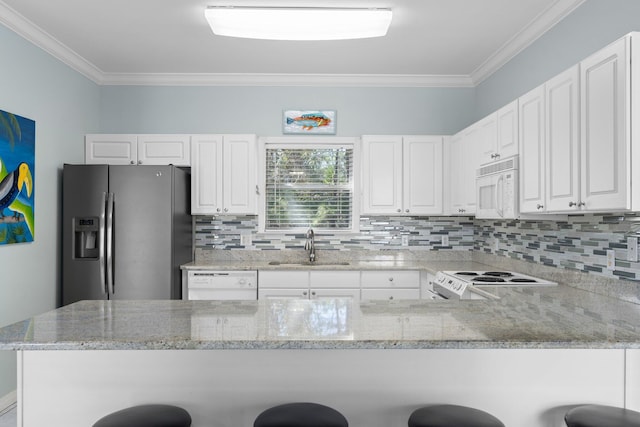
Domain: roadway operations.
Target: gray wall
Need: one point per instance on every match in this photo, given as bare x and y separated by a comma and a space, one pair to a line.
64, 106
589, 28
147, 109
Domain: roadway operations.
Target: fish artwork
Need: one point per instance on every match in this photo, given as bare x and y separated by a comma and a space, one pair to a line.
309, 121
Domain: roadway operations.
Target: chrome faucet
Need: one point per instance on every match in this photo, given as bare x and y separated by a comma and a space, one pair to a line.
310, 245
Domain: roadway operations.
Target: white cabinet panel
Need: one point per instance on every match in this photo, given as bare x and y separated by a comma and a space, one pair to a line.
164, 150
605, 138
532, 171
390, 294
334, 279
391, 278
507, 128
224, 174
111, 149
562, 141
382, 173
120, 149
402, 175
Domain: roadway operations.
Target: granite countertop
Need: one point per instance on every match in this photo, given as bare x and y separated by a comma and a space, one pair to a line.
533, 317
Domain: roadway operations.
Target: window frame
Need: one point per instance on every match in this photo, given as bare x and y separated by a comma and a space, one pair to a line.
307, 142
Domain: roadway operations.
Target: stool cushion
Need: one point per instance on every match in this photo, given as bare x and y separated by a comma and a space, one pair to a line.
301, 414
452, 416
601, 416
147, 416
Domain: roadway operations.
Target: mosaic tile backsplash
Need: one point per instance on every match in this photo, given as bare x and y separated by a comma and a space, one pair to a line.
579, 243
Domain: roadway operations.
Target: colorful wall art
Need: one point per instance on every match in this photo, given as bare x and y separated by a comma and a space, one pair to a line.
309, 122
17, 178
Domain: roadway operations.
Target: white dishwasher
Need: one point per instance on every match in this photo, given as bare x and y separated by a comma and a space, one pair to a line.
222, 285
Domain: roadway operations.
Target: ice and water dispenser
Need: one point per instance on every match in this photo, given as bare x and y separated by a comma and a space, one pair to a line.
86, 239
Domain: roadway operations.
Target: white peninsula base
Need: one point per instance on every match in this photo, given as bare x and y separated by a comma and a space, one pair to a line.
372, 388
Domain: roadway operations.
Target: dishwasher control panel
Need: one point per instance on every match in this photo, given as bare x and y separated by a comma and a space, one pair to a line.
222, 285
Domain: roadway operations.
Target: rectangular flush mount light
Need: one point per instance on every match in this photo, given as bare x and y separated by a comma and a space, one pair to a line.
298, 23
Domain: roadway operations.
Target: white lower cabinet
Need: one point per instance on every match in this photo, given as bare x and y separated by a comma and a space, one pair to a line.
390, 284
356, 284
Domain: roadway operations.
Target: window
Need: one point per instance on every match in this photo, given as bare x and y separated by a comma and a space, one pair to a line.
309, 185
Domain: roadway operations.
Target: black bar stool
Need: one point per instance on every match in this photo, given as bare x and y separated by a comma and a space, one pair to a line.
452, 416
601, 416
301, 414
147, 416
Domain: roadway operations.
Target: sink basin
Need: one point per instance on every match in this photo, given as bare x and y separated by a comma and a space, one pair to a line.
307, 263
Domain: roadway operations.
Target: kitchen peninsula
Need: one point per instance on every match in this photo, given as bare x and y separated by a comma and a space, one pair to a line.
525, 357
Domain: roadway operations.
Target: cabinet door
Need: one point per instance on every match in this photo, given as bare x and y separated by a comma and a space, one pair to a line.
240, 174
604, 138
382, 174
164, 150
507, 126
562, 141
283, 279
456, 188
422, 170
206, 174
531, 130
110, 149
486, 136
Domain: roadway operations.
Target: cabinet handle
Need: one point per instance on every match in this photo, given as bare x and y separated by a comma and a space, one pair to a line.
391, 279
132, 162
581, 204
304, 293
218, 210
139, 162
399, 210
257, 190
540, 206
572, 204
313, 293
226, 209
495, 156
407, 210
391, 297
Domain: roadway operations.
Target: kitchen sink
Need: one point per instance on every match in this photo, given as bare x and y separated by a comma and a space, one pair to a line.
307, 263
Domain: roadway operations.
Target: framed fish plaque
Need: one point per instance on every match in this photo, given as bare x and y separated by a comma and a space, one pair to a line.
306, 122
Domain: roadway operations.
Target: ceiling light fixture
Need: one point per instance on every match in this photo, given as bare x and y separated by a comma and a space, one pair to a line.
298, 23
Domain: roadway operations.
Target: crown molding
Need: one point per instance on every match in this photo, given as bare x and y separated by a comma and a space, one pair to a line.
339, 80
524, 38
34, 34
45, 41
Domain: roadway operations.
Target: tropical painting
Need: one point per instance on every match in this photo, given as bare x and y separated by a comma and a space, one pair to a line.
310, 122
17, 178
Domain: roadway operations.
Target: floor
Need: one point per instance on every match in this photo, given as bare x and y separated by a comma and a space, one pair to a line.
8, 417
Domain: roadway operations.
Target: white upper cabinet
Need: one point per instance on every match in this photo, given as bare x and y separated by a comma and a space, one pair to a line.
605, 82
128, 149
497, 134
532, 151
562, 141
402, 175
464, 160
224, 174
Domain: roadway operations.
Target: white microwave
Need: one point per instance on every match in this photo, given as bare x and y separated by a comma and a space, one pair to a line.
497, 190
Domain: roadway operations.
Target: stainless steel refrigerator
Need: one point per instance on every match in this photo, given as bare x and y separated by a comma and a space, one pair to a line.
126, 231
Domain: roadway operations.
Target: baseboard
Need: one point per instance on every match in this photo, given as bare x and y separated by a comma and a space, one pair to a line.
8, 401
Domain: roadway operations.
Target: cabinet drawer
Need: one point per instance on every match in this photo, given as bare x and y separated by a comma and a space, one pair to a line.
391, 279
334, 279
390, 294
283, 279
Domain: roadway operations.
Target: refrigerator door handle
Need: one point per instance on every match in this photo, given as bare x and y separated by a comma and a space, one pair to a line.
102, 244
109, 245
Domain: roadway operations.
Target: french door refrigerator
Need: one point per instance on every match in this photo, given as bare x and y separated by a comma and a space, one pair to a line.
126, 231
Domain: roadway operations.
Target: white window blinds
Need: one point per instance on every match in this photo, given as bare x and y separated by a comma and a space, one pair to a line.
309, 187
